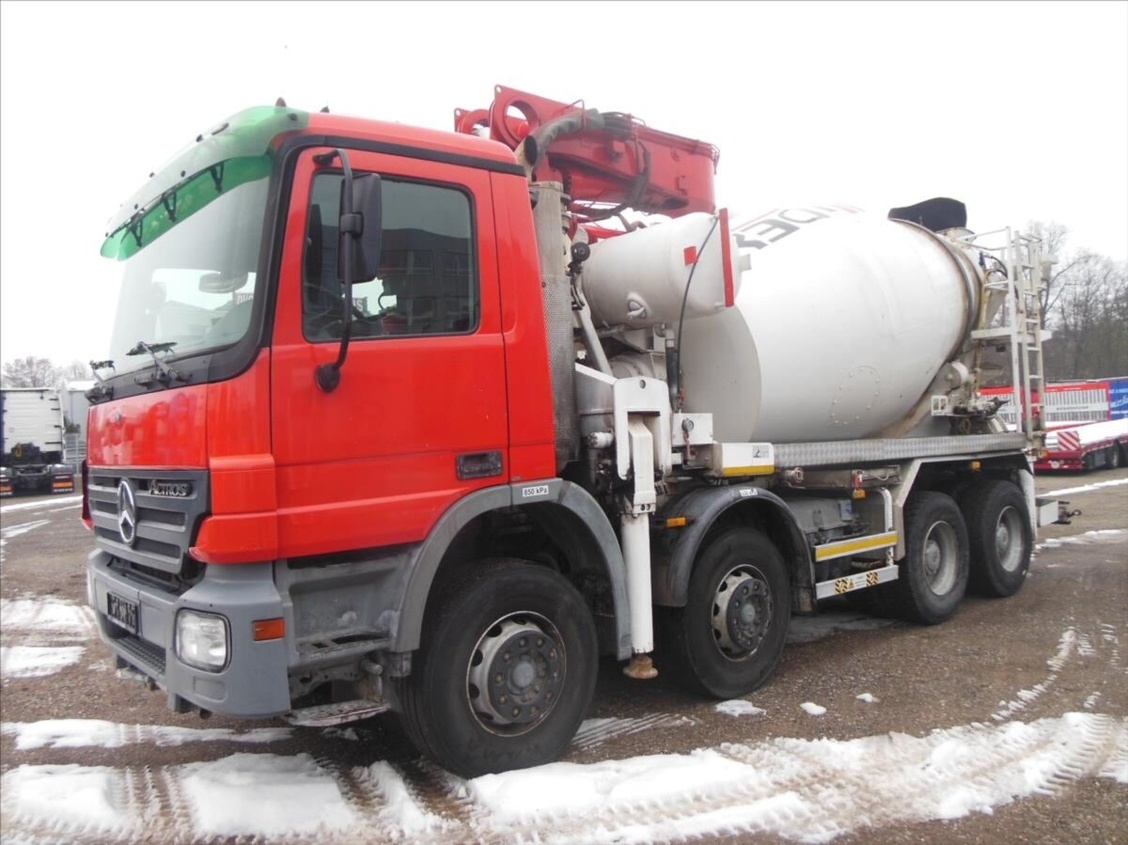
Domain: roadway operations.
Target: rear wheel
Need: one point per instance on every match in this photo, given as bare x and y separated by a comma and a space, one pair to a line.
999, 537
934, 571
505, 671
1113, 457
727, 639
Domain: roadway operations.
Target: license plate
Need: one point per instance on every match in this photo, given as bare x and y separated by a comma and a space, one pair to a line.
122, 611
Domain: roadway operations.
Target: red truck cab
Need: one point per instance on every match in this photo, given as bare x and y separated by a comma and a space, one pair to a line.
263, 542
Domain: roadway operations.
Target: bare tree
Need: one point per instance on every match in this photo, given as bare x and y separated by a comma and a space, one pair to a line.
1090, 319
1085, 304
29, 371
1055, 237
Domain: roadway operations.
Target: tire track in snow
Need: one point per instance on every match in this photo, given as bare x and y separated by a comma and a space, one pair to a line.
1075, 647
801, 789
815, 791
1102, 739
176, 824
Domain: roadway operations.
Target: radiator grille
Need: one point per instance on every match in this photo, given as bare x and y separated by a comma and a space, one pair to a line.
165, 525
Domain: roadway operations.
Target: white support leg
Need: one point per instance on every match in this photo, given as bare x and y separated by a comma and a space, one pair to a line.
636, 550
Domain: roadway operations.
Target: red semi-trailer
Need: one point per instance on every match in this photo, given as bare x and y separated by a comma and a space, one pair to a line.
1085, 421
405, 419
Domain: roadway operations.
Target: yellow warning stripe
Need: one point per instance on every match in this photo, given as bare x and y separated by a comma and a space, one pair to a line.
761, 469
861, 544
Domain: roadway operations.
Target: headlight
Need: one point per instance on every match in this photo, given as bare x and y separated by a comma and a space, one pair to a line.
201, 640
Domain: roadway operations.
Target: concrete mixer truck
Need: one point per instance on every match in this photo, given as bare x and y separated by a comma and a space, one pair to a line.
410, 420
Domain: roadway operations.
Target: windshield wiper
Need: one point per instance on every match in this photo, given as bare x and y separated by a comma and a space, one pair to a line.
165, 373
101, 390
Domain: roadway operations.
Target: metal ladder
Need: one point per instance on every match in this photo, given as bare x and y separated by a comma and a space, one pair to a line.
1020, 283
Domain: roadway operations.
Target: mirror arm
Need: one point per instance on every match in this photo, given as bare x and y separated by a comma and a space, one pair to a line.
329, 375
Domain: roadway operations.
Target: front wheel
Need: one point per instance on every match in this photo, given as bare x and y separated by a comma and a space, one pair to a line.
727, 639
505, 671
934, 571
999, 536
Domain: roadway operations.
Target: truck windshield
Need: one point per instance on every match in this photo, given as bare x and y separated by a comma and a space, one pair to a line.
194, 285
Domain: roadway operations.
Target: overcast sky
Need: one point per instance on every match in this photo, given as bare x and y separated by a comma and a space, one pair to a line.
1018, 109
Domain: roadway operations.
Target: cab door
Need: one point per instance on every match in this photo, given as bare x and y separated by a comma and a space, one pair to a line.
419, 418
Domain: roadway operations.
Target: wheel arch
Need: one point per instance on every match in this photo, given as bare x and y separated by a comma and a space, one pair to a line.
708, 510
564, 511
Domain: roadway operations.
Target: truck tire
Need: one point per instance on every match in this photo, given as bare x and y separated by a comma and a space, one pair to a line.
999, 537
727, 639
934, 571
505, 670
1113, 460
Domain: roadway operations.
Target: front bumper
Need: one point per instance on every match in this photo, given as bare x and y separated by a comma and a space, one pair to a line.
253, 683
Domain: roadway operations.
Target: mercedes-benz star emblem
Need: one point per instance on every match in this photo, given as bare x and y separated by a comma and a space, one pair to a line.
127, 513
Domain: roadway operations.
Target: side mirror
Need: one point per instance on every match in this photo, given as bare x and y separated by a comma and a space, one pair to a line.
358, 253
363, 210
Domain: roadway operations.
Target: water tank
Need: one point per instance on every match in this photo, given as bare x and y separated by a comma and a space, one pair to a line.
842, 321
650, 276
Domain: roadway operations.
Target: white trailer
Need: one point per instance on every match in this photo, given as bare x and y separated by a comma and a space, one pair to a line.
33, 453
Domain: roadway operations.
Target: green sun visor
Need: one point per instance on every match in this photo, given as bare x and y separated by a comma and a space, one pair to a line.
238, 150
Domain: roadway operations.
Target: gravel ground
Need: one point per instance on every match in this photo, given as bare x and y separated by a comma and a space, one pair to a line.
968, 670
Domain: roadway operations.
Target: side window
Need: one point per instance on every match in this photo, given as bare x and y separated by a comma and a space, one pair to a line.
427, 282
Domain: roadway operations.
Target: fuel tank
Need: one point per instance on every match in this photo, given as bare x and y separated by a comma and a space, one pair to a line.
841, 322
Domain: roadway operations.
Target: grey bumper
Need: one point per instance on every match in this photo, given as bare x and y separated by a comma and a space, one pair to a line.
254, 681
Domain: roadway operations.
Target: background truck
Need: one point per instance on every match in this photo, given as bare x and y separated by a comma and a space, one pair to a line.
33, 454
405, 419
1086, 423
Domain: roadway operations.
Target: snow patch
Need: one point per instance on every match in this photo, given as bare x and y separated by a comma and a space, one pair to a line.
812, 708
563, 790
1105, 536
86, 733
739, 707
401, 809
42, 503
263, 795
799, 789
341, 733
868, 698
1088, 488
22, 661
10, 531
83, 797
47, 615
806, 790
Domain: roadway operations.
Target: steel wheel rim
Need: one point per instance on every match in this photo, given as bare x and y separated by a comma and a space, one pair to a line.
515, 673
940, 557
742, 612
1009, 539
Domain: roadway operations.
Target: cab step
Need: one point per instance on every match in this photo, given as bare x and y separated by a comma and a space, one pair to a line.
339, 713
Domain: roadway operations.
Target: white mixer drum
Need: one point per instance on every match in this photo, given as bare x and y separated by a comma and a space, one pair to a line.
842, 322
